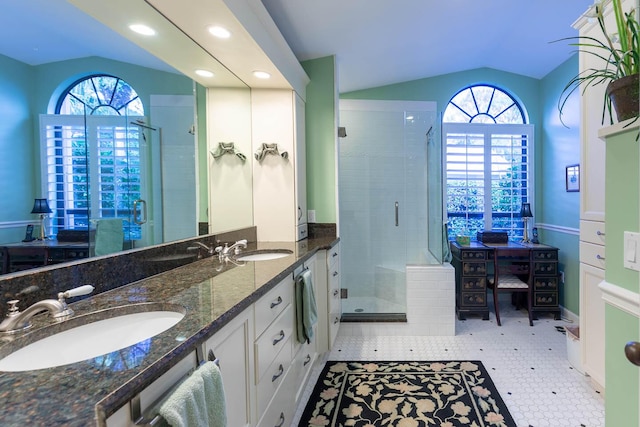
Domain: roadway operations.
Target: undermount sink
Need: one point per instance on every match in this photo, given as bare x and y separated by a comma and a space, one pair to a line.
107, 331
263, 255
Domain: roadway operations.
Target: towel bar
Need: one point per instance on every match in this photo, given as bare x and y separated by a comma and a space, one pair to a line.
150, 417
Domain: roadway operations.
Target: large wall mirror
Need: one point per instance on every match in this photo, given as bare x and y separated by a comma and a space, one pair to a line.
148, 169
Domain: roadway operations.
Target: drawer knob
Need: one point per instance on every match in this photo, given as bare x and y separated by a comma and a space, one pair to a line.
281, 423
336, 320
600, 233
307, 360
600, 257
278, 374
335, 273
280, 337
335, 292
277, 302
335, 254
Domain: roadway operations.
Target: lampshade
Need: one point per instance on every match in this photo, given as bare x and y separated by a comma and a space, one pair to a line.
525, 210
40, 206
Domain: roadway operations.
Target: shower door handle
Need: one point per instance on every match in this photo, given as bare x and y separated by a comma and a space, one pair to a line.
397, 214
142, 218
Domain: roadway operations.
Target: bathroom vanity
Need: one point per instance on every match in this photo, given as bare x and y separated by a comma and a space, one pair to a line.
231, 313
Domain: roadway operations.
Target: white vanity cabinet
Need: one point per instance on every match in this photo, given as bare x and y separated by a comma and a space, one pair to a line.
334, 293
231, 346
129, 413
279, 181
273, 340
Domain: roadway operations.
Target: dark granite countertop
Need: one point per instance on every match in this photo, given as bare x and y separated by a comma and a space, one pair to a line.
87, 392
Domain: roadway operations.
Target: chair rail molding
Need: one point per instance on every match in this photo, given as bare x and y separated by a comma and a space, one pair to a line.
621, 298
15, 224
558, 228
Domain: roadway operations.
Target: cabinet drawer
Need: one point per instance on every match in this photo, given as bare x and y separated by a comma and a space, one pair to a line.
302, 364
279, 412
334, 326
471, 268
275, 373
592, 232
471, 255
545, 283
551, 255
272, 304
592, 254
476, 299
274, 339
474, 283
547, 268
545, 299
333, 256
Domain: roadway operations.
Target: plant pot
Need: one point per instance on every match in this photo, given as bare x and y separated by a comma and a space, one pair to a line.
624, 94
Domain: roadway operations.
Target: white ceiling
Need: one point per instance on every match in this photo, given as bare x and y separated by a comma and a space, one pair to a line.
376, 42
379, 42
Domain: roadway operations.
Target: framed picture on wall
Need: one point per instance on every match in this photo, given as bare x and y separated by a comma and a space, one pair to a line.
573, 178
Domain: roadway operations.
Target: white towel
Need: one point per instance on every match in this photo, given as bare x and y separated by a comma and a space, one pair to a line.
197, 402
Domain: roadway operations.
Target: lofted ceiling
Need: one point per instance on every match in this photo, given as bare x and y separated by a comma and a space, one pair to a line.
376, 42
379, 42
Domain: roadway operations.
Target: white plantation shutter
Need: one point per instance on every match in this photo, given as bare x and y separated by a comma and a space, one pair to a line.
488, 176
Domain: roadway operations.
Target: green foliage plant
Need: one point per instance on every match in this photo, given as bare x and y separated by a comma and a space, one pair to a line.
619, 52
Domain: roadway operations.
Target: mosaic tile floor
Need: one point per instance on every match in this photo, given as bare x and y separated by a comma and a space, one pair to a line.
528, 365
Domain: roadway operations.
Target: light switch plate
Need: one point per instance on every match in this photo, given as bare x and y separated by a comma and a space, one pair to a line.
630, 250
311, 215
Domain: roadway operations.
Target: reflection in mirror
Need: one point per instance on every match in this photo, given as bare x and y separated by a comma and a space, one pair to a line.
170, 140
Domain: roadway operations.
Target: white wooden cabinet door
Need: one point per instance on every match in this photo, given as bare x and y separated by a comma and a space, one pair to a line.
231, 347
592, 323
300, 167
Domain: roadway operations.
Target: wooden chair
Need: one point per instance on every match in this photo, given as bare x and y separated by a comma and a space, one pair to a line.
511, 274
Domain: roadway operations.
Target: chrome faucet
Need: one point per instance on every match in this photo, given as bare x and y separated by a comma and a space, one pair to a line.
58, 309
235, 248
203, 246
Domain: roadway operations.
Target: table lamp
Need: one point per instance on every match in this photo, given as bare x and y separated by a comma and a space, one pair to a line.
525, 213
41, 207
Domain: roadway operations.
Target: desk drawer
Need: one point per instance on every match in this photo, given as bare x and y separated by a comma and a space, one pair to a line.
545, 299
592, 254
474, 268
545, 283
550, 255
474, 283
473, 299
546, 268
474, 255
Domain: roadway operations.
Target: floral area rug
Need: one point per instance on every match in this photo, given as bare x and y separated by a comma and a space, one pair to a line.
405, 394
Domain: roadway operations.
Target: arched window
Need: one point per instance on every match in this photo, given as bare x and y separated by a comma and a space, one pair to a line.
100, 94
93, 154
489, 164
483, 104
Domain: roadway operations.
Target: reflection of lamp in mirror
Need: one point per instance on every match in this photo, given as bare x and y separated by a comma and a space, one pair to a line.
525, 213
41, 207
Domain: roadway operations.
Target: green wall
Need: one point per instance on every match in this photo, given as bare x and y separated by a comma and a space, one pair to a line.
321, 138
26, 92
560, 147
555, 147
17, 150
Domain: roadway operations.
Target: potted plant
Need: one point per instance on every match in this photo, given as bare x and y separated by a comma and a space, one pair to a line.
620, 55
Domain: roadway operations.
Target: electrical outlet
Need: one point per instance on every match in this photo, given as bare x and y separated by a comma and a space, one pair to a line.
311, 215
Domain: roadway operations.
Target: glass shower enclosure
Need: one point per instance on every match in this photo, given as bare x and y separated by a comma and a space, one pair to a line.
390, 191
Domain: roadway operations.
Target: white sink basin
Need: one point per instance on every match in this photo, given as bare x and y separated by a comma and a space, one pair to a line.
89, 340
263, 255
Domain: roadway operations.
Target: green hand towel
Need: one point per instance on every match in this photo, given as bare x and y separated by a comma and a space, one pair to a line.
109, 236
198, 401
306, 308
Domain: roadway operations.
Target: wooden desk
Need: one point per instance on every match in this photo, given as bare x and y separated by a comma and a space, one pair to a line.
473, 263
25, 255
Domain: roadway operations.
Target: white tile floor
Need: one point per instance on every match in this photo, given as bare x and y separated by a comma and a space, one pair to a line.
528, 365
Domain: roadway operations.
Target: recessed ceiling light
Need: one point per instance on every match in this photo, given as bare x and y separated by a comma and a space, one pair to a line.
204, 73
142, 29
261, 74
219, 32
